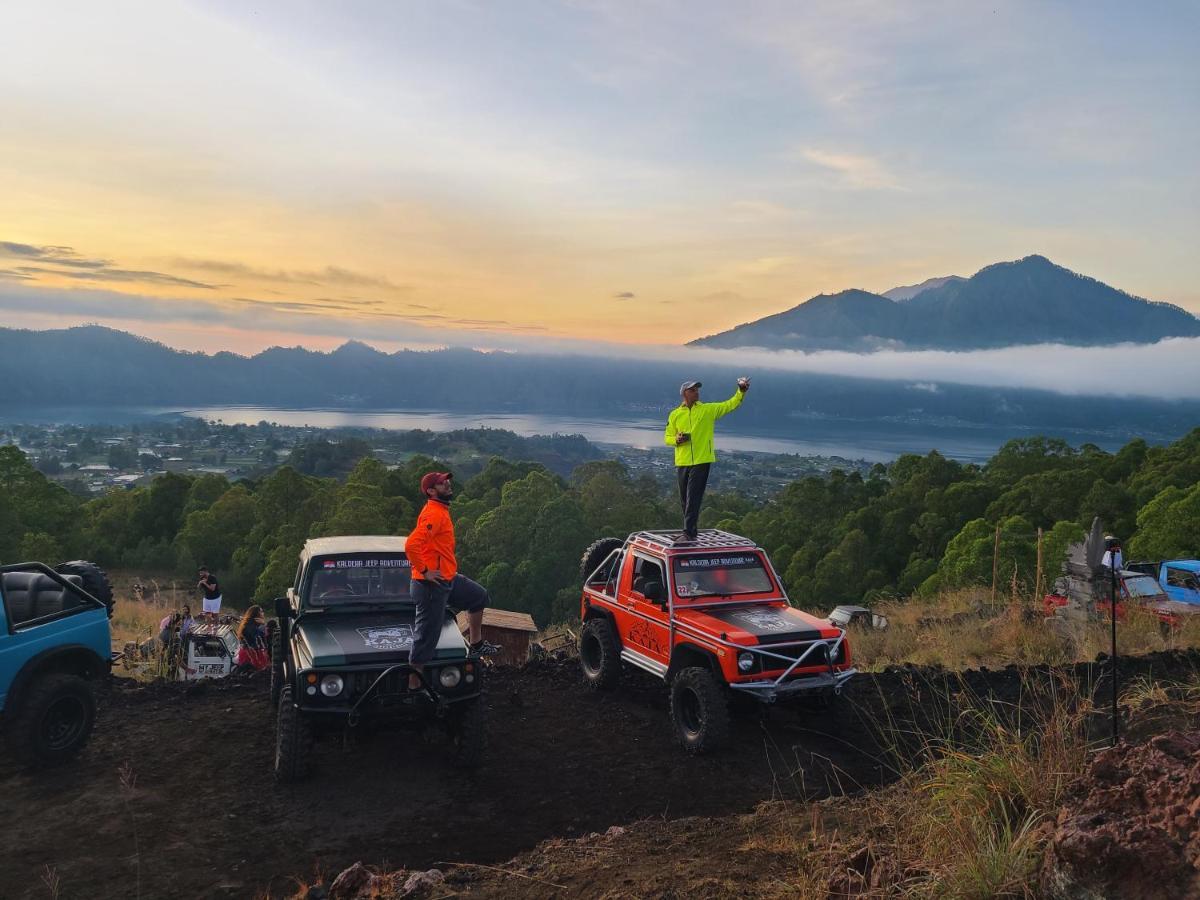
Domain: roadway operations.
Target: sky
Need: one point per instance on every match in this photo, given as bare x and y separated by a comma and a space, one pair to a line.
226, 175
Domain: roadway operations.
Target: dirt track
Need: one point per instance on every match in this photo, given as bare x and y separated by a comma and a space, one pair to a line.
204, 818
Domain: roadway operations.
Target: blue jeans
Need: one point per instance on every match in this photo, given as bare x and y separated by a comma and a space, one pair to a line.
432, 598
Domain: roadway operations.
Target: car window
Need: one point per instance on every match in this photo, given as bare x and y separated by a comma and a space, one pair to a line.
645, 571
352, 578
604, 579
1142, 586
210, 646
720, 575
1180, 578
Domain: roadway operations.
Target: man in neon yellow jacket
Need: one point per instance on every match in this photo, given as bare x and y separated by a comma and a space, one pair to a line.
690, 432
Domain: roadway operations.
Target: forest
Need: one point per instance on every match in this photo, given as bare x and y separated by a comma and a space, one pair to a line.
907, 529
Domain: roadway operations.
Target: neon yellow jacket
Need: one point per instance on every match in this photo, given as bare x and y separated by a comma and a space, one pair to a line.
697, 420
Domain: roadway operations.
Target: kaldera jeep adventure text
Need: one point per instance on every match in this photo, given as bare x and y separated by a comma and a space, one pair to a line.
710, 617
55, 646
340, 655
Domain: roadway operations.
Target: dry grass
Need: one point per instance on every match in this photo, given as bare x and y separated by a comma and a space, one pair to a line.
964, 630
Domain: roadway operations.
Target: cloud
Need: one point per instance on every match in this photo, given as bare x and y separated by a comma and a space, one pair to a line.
335, 275
624, 295
854, 170
54, 259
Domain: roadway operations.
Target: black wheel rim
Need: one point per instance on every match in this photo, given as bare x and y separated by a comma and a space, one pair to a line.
691, 711
590, 653
64, 723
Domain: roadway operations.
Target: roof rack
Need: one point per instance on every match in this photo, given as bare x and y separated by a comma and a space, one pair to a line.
706, 539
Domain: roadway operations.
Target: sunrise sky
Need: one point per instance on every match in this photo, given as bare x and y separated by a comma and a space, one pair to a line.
233, 175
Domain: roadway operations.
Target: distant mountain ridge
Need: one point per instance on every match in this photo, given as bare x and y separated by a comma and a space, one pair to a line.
93, 367
1029, 301
900, 294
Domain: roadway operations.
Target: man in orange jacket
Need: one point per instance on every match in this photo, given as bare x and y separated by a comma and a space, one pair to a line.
436, 582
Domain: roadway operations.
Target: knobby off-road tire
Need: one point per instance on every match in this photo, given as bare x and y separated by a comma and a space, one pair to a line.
467, 727
53, 720
596, 553
699, 711
276, 666
293, 740
94, 579
599, 655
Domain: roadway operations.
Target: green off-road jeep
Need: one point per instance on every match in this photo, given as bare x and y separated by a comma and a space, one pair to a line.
339, 656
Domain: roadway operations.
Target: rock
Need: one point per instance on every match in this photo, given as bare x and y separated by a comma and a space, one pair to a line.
1128, 828
421, 881
356, 881
614, 831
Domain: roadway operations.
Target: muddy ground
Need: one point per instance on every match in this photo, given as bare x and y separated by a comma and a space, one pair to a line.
173, 797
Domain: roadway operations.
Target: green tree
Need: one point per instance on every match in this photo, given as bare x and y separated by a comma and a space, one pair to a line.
1169, 525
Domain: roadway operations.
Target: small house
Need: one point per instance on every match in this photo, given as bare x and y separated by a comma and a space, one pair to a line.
510, 631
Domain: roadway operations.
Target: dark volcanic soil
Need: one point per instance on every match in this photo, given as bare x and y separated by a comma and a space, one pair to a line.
196, 814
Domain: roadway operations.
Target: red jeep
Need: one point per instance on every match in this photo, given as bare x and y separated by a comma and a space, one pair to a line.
710, 617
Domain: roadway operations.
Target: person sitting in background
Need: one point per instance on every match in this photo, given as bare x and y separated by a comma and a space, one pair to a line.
252, 641
166, 628
186, 622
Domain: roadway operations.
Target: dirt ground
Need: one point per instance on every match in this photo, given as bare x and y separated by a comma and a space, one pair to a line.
173, 797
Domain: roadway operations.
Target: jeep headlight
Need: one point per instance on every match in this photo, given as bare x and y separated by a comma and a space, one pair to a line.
745, 662
331, 685
450, 676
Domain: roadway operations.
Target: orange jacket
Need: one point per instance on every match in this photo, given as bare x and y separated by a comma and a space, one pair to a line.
431, 544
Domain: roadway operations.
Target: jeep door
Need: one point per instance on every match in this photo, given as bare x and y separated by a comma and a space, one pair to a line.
645, 629
1181, 584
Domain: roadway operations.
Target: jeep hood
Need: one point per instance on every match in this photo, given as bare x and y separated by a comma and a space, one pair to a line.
750, 625
383, 637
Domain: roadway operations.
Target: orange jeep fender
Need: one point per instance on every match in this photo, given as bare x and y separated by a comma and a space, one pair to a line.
685, 656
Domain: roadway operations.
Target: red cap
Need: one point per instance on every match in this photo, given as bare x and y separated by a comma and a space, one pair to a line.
433, 479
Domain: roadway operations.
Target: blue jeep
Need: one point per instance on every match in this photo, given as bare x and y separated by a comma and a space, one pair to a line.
1180, 578
54, 648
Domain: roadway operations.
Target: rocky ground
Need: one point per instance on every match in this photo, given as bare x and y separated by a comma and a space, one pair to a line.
174, 798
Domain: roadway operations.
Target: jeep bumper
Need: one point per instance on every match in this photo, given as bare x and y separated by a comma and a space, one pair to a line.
772, 691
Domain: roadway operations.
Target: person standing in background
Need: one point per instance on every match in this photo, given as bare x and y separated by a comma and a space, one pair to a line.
211, 589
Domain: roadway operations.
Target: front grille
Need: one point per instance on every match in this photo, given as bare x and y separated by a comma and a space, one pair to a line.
816, 658
395, 683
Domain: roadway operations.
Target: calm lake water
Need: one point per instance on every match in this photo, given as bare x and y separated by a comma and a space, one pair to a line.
873, 441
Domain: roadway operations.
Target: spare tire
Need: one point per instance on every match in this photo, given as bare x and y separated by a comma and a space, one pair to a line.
94, 579
596, 553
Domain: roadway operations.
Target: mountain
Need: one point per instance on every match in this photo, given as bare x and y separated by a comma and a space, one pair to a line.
1029, 301
58, 375
900, 294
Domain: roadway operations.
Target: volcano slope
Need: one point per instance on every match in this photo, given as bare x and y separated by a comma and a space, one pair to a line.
174, 798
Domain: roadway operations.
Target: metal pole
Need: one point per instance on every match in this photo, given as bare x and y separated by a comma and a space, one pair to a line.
1037, 581
995, 564
1112, 656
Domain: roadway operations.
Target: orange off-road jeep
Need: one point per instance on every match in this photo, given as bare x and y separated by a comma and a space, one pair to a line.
710, 617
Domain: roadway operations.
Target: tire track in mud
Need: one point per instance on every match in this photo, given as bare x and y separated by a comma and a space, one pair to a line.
207, 820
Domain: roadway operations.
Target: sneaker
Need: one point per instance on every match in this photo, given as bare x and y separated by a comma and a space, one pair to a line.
484, 648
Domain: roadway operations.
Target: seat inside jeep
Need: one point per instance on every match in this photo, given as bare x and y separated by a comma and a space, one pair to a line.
33, 595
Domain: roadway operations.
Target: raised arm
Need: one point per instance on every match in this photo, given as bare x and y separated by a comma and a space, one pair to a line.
722, 409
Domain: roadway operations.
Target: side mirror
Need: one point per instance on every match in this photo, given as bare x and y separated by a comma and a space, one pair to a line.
653, 591
283, 608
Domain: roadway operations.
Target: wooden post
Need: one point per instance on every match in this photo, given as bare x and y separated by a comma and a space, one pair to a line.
995, 564
1037, 580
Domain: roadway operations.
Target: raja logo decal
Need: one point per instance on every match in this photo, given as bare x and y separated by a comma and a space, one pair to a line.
395, 637
763, 621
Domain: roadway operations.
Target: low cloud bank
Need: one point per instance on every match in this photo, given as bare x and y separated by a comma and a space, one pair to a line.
1168, 370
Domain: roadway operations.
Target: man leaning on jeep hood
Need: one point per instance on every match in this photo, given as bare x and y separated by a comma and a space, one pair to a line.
435, 579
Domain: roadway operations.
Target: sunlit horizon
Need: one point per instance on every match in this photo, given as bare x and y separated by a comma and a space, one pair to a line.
223, 178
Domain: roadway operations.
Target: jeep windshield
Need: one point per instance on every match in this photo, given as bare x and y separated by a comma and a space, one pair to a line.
1141, 586
720, 575
357, 579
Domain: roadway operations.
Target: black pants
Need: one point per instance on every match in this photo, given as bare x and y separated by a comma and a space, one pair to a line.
692, 482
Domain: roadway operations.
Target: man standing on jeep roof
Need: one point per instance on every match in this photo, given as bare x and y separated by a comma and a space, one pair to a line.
435, 579
690, 432
212, 595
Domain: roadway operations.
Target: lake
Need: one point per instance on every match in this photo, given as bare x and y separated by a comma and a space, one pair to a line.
874, 441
